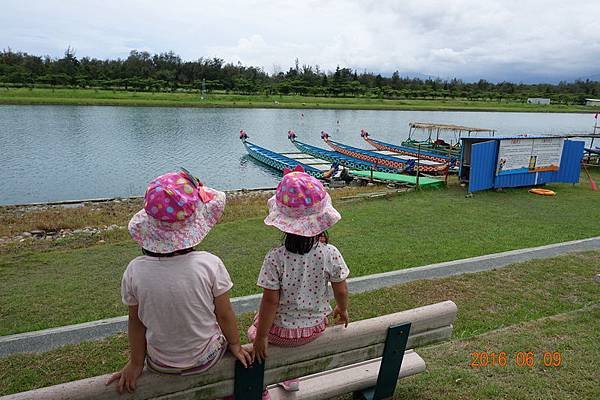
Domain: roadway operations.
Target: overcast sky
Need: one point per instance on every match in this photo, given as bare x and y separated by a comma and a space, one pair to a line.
525, 40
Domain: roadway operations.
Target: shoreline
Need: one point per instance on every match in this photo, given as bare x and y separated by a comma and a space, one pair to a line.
91, 97
4, 102
72, 202
102, 216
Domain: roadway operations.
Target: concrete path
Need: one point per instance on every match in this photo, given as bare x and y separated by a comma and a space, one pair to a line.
47, 339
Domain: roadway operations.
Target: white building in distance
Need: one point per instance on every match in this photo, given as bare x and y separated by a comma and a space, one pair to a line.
592, 102
538, 100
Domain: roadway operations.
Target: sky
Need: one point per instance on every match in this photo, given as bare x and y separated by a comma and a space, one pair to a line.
518, 41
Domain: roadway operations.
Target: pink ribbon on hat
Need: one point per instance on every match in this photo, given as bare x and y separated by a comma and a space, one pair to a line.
297, 168
203, 195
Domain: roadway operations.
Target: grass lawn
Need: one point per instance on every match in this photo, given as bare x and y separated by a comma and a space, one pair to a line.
80, 282
575, 335
509, 298
123, 98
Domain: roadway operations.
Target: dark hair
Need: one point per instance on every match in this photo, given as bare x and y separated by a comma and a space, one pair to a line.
172, 254
302, 244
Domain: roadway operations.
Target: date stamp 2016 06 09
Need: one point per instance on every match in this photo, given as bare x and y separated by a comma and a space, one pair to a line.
520, 359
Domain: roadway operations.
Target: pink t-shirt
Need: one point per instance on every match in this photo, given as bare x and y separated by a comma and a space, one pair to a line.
302, 281
175, 296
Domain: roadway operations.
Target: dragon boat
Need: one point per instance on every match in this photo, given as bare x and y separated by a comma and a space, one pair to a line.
408, 151
281, 162
346, 160
592, 151
395, 161
592, 156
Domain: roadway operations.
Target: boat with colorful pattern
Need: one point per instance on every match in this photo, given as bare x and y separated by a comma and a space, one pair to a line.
345, 160
395, 161
408, 151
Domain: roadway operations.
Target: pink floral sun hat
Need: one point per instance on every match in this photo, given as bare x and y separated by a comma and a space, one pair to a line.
301, 206
178, 213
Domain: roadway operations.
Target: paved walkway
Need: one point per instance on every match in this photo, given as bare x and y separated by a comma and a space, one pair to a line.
44, 340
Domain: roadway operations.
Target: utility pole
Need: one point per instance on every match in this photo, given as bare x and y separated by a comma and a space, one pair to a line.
595, 128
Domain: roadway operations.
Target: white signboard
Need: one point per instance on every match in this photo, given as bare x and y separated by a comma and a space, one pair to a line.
548, 153
517, 156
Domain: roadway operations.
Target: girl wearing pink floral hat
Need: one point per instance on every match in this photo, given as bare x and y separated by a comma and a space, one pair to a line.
180, 318
295, 276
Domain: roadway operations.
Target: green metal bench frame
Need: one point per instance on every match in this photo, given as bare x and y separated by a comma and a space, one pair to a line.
393, 354
249, 382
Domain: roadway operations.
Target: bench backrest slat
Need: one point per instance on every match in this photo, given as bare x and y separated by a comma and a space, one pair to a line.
321, 364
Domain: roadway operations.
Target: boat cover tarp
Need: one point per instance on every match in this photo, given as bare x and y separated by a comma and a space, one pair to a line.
400, 178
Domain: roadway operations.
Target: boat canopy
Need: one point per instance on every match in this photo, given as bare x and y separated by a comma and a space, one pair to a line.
437, 128
447, 127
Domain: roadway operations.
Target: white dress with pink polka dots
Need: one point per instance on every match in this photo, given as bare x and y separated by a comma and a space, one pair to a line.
302, 281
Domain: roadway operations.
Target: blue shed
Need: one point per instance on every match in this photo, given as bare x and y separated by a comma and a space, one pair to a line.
498, 162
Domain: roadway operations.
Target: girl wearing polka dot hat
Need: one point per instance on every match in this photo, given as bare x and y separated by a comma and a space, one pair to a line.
295, 276
180, 318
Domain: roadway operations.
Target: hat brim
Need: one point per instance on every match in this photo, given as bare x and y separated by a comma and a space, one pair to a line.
302, 225
166, 237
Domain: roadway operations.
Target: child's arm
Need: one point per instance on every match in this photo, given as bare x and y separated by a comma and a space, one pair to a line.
340, 292
268, 308
136, 332
228, 324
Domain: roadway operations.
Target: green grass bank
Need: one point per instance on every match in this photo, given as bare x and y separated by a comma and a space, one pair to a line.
88, 97
542, 305
77, 281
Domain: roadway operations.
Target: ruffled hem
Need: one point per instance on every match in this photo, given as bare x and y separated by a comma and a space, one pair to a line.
298, 333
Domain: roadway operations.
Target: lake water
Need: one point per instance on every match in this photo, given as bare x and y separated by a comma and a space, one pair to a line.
51, 153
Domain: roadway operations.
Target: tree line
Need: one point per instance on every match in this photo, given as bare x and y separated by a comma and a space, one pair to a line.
141, 71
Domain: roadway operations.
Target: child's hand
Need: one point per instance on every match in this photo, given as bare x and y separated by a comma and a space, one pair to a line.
241, 354
127, 377
260, 346
341, 316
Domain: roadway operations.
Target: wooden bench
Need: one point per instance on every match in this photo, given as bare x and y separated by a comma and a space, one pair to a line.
343, 360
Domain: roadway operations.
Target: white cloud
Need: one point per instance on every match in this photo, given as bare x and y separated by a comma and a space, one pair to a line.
492, 39
448, 56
